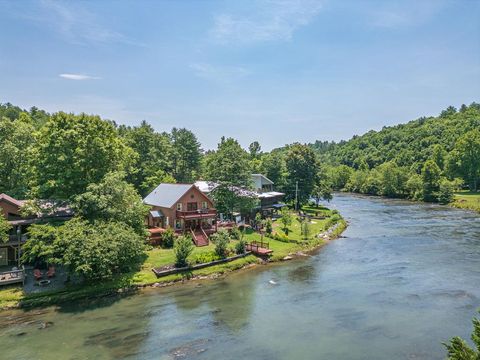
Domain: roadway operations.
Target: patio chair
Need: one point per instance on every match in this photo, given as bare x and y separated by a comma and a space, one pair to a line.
51, 271
37, 274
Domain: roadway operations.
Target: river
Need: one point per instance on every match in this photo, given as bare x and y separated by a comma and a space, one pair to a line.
405, 278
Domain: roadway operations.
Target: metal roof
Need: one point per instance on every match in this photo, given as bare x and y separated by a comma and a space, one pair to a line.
166, 195
156, 213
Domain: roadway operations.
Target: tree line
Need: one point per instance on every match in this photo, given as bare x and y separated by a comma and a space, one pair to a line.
426, 159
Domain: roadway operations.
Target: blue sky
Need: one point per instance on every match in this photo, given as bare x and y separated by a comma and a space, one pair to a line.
275, 71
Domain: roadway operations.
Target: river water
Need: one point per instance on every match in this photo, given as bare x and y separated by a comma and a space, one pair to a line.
405, 278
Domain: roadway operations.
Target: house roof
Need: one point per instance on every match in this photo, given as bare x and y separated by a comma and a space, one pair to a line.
11, 200
206, 186
270, 194
156, 214
263, 179
166, 195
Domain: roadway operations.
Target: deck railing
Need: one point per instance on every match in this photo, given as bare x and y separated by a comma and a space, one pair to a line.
199, 212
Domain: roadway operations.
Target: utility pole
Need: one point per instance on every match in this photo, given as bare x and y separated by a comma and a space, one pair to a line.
296, 196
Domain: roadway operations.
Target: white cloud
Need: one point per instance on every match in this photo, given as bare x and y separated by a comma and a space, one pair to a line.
71, 21
219, 73
273, 20
78, 77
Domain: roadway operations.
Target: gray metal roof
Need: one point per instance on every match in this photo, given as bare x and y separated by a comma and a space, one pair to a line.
166, 195
156, 214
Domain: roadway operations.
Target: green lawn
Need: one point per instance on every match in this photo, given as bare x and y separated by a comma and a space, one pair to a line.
157, 257
467, 200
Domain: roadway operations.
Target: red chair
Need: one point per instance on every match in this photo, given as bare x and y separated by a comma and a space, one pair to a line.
51, 271
37, 274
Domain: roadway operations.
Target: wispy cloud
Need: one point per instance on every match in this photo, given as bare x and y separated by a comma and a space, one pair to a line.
78, 77
71, 21
273, 20
219, 73
406, 13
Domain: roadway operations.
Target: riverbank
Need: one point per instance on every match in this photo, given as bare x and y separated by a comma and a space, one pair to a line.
467, 200
328, 226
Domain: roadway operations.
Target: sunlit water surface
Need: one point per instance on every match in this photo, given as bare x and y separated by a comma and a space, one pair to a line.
405, 278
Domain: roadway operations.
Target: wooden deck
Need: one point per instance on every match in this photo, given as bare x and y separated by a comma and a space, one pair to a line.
259, 248
12, 277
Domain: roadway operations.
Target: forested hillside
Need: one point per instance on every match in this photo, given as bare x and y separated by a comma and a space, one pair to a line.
423, 159
59, 155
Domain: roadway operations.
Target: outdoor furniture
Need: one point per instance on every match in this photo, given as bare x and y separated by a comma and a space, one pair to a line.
37, 274
51, 271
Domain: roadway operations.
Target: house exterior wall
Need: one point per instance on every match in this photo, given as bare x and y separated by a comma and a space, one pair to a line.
9, 209
194, 195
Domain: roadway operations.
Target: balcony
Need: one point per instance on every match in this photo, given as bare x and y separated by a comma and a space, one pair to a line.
197, 214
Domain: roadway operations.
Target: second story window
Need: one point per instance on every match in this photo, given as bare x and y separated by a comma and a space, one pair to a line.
179, 206
204, 205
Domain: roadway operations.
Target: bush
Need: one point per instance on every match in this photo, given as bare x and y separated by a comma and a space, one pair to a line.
268, 226
168, 238
100, 250
221, 246
220, 234
203, 258
446, 193
183, 248
235, 233
240, 247
281, 237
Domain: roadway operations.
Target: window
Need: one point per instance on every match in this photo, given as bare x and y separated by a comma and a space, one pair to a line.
178, 224
192, 206
204, 205
179, 206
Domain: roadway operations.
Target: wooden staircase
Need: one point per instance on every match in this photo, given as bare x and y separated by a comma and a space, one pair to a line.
199, 237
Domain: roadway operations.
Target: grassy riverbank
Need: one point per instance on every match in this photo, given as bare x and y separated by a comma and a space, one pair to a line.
15, 297
467, 200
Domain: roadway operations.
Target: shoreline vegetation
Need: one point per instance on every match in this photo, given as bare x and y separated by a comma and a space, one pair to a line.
330, 226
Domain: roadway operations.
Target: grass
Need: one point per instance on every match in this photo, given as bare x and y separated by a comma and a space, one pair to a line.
467, 200
158, 257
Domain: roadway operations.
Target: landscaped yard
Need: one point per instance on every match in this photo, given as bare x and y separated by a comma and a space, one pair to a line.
467, 200
158, 257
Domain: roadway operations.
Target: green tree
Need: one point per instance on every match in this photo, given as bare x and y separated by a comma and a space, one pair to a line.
446, 191
186, 155
268, 226
305, 229
41, 245
4, 227
100, 250
321, 191
431, 180
339, 176
414, 187
221, 246
113, 199
229, 166
155, 156
286, 219
75, 151
273, 167
467, 158
255, 149
458, 349
17, 155
302, 169
183, 248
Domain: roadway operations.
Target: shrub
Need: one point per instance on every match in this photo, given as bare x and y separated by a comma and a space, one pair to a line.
446, 193
183, 248
235, 233
305, 227
281, 237
203, 258
221, 246
220, 234
168, 238
268, 226
240, 247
